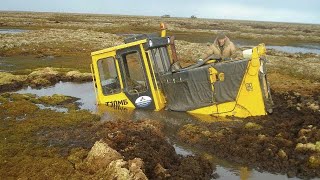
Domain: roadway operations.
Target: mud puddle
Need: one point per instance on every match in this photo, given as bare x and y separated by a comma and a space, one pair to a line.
12, 31
83, 91
297, 49
173, 122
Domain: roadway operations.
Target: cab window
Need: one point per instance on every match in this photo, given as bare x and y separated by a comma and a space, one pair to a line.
161, 59
108, 76
135, 80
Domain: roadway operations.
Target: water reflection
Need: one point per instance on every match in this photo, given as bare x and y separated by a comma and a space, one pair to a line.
83, 91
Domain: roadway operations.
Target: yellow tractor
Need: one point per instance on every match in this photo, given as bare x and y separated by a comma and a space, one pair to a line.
144, 73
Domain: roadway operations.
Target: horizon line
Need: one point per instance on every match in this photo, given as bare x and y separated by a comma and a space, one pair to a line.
181, 17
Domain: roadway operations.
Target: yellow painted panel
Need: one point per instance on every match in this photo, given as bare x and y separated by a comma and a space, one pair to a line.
116, 100
218, 110
118, 47
249, 101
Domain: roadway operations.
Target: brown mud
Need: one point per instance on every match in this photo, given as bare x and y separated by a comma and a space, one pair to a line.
41, 143
287, 141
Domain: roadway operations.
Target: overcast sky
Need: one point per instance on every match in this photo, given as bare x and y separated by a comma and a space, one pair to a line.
303, 11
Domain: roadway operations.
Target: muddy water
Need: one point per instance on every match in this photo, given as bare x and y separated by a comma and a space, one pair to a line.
173, 121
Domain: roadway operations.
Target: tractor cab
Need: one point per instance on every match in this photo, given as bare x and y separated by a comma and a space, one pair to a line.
129, 75
143, 73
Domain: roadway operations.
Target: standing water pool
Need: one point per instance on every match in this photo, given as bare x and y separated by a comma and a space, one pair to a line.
12, 31
297, 49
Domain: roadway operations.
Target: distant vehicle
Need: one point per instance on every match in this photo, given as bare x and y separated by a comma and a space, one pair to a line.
165, 16
144, 73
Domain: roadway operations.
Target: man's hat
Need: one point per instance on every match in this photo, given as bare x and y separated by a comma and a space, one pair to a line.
221, 35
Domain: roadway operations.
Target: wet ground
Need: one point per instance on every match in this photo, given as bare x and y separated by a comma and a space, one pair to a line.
37, 140
276, 142
227, 167
173, 122
49, 137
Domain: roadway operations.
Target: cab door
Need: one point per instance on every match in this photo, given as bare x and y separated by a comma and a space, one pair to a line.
107, 80
134, 77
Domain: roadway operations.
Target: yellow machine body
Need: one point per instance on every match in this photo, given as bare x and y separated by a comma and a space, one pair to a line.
250, 100
130, 76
